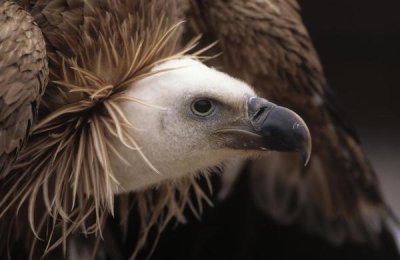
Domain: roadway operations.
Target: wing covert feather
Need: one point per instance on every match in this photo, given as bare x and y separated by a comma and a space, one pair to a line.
23, 78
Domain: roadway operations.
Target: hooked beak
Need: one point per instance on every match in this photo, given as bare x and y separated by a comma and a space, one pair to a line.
273, 128
281, 128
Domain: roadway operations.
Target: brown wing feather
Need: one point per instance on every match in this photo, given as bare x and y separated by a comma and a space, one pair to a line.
23, 77
266, 44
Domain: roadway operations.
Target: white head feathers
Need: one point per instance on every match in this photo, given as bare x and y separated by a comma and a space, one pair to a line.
174, 141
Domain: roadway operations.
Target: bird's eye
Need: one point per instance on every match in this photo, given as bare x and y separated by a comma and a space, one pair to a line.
203, 107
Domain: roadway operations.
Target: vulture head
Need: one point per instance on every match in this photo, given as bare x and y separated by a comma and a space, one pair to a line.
192, 117
128, 108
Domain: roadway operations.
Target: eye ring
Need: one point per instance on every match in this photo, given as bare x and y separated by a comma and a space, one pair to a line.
203, 107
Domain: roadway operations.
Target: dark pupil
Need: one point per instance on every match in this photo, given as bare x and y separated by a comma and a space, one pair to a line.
202, 106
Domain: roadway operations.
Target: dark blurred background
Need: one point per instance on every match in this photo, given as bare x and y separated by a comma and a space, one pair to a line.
359, 45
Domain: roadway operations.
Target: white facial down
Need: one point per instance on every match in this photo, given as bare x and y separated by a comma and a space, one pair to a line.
190, 124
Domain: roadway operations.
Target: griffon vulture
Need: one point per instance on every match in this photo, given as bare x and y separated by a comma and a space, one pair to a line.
265, 44
128, 108
336, 197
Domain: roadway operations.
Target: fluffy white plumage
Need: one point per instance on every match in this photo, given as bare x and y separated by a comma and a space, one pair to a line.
175, 141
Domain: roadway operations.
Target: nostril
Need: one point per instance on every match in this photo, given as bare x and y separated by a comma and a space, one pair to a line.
257, 106
259, 113
258, 119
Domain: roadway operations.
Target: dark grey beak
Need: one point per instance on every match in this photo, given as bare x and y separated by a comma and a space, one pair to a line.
280, 128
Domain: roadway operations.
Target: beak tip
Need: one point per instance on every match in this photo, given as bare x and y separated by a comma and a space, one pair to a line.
306, 155
306, 151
